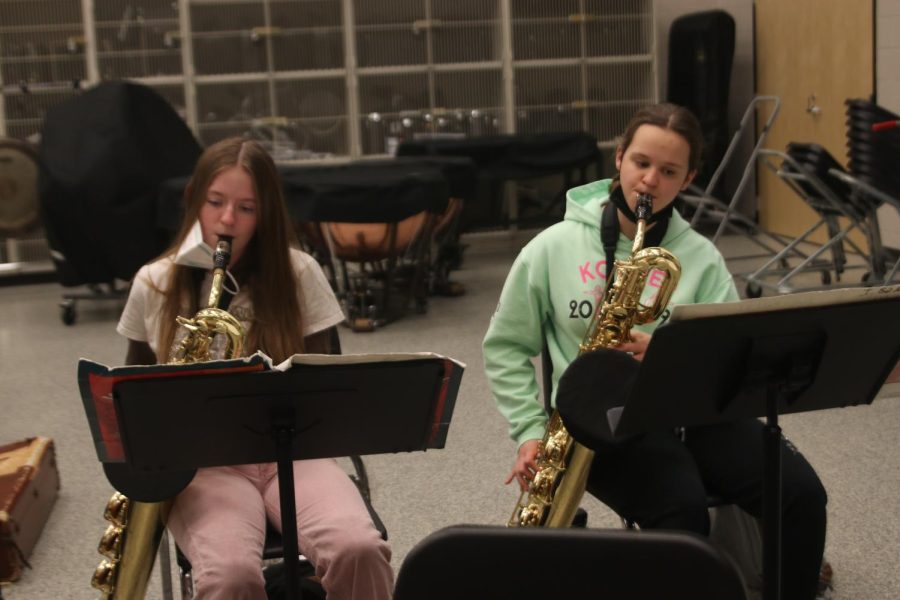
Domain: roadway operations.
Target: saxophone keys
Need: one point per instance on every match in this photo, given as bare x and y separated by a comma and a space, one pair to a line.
116, 511
531, 515
558, 446
544, 482
105, 577
111, 542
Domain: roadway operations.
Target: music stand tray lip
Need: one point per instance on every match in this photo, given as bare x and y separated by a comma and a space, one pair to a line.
346, 359
811, 299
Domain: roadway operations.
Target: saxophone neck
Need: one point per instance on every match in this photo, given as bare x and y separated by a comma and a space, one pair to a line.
221, 257
643, 211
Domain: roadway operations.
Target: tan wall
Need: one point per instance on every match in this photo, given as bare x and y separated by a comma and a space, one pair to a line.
813, 54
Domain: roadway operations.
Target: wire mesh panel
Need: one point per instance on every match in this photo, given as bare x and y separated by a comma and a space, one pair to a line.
41, 41
392, 106
316, 112
42, 60
392, 33
25, 110
254, 41
421, 67
137, 39
547, 99
229, 37
582, 64
227, 109
545, 30
465, 31
307, 34
428, 67
31, 249
618, 27
615, 91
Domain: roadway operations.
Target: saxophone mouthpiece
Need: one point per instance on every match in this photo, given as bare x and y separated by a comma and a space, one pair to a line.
644, 207
222, 254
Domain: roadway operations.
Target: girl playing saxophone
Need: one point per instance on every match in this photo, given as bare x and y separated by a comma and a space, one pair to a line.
557, 282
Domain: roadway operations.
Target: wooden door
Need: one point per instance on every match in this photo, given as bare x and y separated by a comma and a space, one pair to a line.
813, 54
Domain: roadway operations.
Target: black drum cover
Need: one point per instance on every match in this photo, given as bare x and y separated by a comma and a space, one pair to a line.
701, 52
103, 155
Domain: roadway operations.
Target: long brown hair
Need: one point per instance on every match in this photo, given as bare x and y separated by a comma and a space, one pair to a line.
264, 269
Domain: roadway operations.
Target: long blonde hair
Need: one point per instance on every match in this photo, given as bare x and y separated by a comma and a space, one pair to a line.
264, 269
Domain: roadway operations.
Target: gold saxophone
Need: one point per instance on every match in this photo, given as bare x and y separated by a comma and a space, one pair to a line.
135, 528
563, 464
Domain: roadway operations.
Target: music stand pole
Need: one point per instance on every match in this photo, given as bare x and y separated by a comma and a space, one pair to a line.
772, 497
284, 436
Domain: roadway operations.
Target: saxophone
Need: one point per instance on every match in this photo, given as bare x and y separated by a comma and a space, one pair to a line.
135, 528
563, 464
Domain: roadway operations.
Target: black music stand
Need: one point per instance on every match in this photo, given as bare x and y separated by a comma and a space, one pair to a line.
792, 354
174, 425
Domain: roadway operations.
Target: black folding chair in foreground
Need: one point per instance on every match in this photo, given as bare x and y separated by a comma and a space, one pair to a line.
573, 563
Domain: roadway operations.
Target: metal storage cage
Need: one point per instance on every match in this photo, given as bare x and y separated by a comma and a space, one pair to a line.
338, 79
582, 64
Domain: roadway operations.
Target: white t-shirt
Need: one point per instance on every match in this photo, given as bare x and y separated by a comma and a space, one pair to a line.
140, 319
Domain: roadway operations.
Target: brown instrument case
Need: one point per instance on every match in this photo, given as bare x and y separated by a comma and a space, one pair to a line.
29, 483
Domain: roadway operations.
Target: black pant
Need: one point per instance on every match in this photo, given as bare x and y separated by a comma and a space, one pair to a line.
661, 482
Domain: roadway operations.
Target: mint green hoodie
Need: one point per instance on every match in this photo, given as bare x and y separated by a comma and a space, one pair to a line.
553, 288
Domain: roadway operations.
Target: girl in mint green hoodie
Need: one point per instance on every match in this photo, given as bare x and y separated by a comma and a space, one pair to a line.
550, 294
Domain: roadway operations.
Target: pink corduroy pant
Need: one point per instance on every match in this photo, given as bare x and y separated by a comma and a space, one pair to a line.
219, 522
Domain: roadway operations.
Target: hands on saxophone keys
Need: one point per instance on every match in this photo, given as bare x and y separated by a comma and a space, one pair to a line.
637, 347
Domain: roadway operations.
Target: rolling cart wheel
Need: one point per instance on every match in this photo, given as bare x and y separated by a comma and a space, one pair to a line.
826, 277
753, 290
67, 312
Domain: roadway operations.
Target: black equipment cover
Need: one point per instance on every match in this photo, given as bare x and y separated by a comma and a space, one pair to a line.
701, 51
103, 154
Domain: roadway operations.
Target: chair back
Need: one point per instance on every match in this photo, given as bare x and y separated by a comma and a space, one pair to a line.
525, 563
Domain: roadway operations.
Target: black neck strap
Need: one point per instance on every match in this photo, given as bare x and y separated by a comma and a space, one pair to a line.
609, 233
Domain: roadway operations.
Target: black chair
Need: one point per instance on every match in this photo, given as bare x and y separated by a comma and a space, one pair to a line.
531, 563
